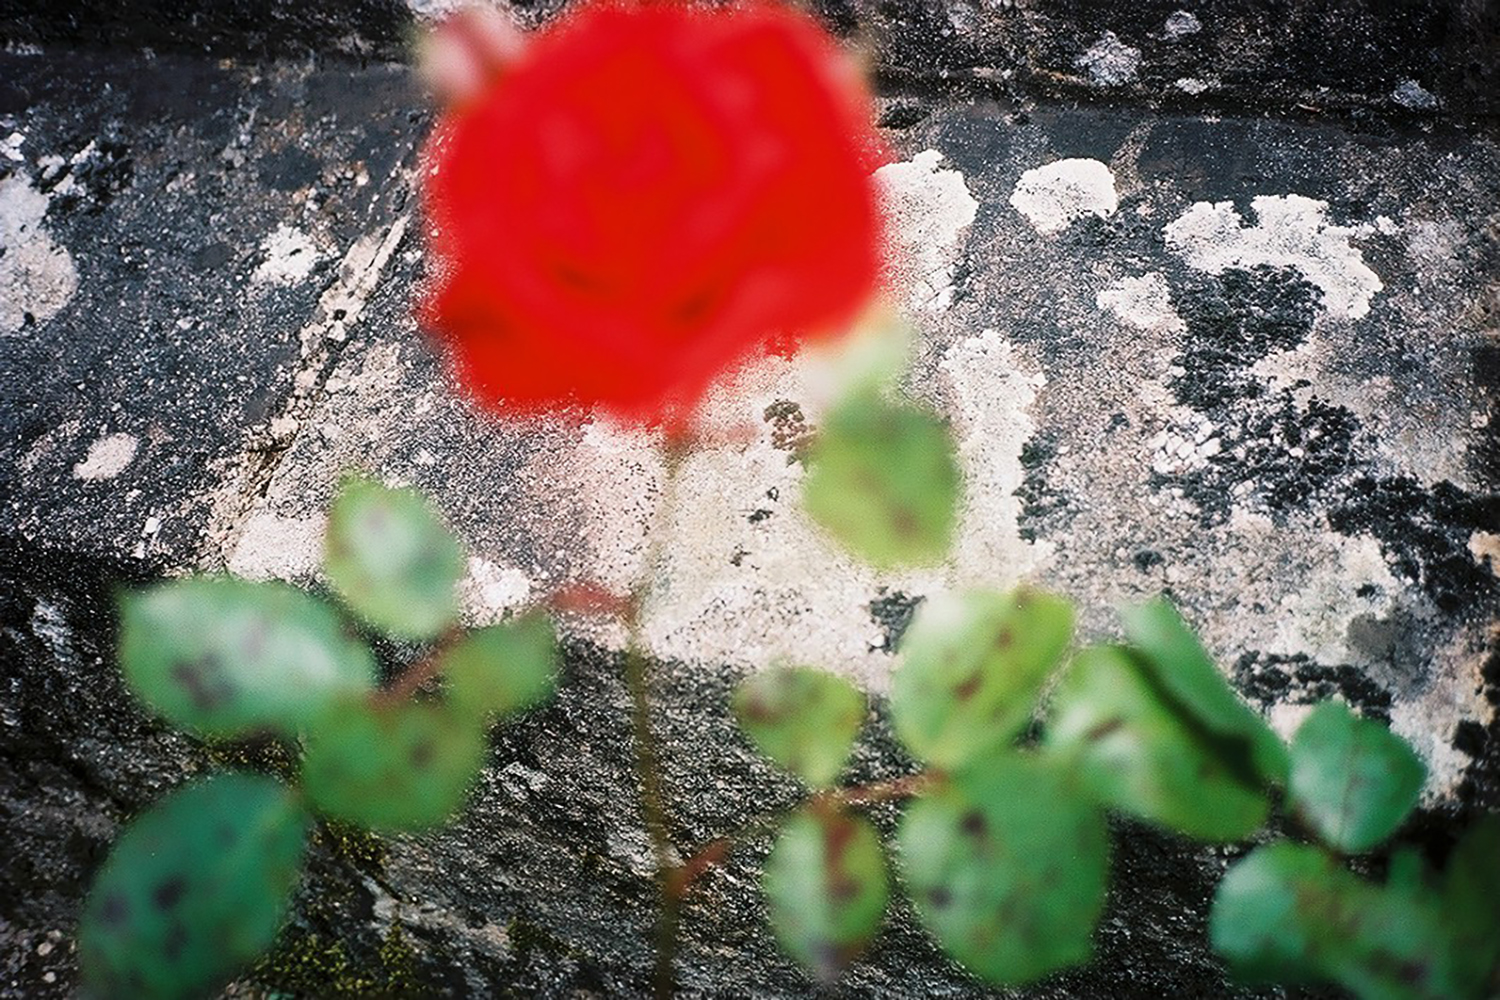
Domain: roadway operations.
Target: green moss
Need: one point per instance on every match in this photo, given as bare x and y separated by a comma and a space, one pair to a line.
264, 753
310, 965
359, 847
313, 966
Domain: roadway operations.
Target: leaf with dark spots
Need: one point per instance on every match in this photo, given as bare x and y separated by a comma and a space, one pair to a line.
1007, 866
826, 888
391, 559
1184, 677
1288, 913
175, 911
883, 480
402, 767
805, 720
959, 692
226, 657
1139, 751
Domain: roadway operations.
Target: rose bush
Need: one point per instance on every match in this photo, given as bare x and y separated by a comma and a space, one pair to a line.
644, 197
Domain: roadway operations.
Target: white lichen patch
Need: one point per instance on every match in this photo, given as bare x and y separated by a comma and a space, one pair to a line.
37, 275
929, 209
289, 257
107, 457
1192, 86
276, 547
1053, 195
1144, 302
993, 387
1180, 24
489, 589
1110, 62
1184, 446
1290, 231
1484, 546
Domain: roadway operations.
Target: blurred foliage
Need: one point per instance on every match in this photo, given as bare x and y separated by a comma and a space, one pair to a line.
226, 657
972, 667
805, 720
197, 887
883, 479
1003, 849
391, 560
826, 887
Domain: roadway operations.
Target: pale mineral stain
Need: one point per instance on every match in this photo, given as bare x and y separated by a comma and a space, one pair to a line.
1144, 302
37, 275
929, 208
489, 589
1053, 195
1110, 62
107, 457
1290, 231
273, 546
289, 257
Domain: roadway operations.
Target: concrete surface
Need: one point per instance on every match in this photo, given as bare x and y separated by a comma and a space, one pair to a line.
1210, 343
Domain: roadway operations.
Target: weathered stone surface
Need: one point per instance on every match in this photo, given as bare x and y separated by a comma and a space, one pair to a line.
1325, 56
1247, 361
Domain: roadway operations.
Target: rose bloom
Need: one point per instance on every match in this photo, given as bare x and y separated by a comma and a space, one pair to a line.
641, 197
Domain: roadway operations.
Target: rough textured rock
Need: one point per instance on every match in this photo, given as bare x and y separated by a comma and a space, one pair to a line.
1249, 360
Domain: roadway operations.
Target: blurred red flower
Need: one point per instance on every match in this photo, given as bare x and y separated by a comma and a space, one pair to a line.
645, 196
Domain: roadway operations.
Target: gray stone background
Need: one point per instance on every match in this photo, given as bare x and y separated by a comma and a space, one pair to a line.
1210, 291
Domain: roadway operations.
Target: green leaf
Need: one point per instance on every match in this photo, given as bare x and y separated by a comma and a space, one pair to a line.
1352, 781
826, 887
1141, 757
400, 767
1007, 867
1182, 669
883, 480
972, 667
1288, 913
805, 720
504, 669
221, 656
1471, 904
391, 559
193, 890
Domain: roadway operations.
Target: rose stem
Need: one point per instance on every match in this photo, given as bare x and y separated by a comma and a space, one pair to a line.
653, 802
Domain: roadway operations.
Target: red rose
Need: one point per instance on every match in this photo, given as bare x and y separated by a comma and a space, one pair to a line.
643, 198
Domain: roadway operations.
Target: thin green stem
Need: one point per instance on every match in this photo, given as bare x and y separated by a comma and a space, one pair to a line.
648, 766
715, 851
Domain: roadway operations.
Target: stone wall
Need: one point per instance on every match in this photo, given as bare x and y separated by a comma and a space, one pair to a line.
1235, 342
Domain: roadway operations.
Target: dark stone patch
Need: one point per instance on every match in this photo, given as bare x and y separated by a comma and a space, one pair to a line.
1233, 321
1470, 737
1268, 679
1145, 559
1045, 510
893, 611
1290, 459
1424, 534
903, 115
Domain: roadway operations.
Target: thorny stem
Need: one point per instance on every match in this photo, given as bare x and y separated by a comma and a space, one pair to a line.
417, 674
715, 851
653, 801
